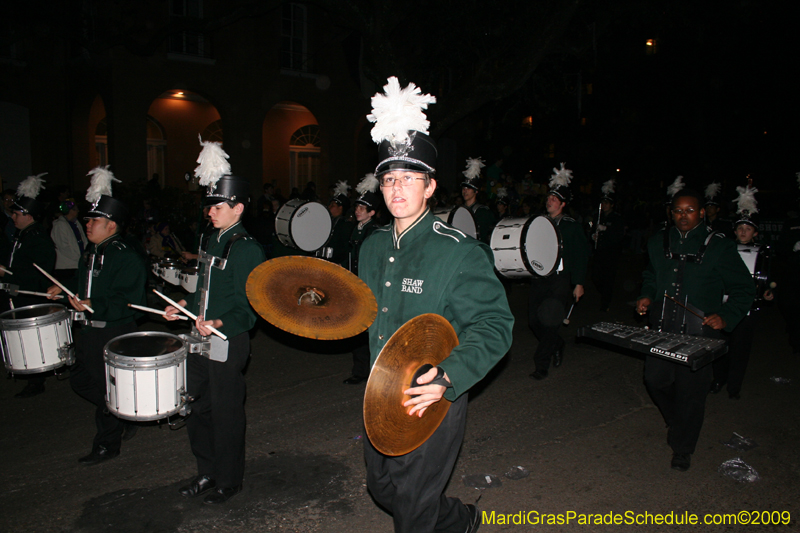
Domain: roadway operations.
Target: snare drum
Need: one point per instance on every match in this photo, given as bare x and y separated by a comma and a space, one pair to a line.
145, 375
188, 278
460, 218
526, 246
303, 224
170, 271
36, 338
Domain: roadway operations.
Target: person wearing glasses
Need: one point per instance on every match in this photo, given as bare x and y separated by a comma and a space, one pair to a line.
415, 265
690, 263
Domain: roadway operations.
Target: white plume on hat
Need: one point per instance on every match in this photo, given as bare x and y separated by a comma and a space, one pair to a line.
31, 186
100, 184
608, 187
713, 190
502, 193
213, 164
746, 201
399, 111
368, 184
675, 186
560, 177
474, 166
341, 188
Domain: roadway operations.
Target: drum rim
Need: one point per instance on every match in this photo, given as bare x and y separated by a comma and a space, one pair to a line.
152, 362
558, 252
16, 324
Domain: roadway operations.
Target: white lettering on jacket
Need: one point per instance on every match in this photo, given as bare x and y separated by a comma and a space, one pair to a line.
412, 285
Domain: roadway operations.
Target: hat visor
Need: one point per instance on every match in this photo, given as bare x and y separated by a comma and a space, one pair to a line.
402, 163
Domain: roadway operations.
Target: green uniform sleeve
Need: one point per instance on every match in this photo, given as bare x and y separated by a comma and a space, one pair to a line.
238, 316
576, 252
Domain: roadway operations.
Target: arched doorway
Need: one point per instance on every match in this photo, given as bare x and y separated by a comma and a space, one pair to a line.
304, 160
292, 148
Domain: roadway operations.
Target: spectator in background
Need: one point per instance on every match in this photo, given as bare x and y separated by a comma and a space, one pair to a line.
69, 239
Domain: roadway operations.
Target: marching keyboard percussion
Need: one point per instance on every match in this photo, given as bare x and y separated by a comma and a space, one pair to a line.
689, 350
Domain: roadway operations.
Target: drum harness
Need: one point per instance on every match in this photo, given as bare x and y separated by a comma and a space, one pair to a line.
94, 264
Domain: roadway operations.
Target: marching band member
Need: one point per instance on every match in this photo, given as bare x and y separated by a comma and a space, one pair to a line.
217, 425
470, 188
111, 275
730, 368
551, 296
338, 243
688, 262
416, 265
607, 239
366, 207
31, 245
712, 220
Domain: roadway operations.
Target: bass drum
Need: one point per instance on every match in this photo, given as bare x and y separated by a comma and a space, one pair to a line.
36, 338
145, 375
460, 218
524, 247
303, 224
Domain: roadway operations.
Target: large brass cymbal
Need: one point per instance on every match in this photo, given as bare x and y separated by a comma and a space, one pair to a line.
425, 339
311, 298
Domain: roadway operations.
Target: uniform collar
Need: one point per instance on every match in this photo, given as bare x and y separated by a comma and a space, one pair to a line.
413, 231
701, 229
223, 232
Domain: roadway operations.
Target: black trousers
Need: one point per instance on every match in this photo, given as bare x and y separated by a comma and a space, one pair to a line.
681, 395
88, 378
216, 426
549, 301
411, 486
604, 272
731, 367
788, 301
361, 357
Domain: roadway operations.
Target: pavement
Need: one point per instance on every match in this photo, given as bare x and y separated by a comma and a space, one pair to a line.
589, 437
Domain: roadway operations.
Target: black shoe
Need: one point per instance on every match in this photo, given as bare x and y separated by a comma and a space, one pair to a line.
474, 518
539, 375
31, 389
98, 455
681, 461
715, 387
558, 357
354, 380
222, 495
130, 431
198, 486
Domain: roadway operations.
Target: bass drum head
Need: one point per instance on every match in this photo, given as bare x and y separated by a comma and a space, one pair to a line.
304, 225
460, 218
543, 246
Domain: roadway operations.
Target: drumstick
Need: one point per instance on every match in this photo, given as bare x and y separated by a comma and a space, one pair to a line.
33, 293
156, 311
677, 302
566, 320
7, 271
190, 315
63, 288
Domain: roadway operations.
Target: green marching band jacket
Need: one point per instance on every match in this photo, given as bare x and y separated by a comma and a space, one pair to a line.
435, 268
119, 277
32, 245
720, 271
575, 251
227, 299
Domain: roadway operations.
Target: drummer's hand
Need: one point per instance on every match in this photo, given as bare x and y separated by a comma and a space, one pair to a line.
172, 312
53, 291
768, 296
2, 270
202, 325
642, 304
427, 394
187, 256
79, 305
714, 321
577, 292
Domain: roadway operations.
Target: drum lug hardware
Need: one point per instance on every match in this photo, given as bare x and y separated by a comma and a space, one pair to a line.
197, 345
67, 353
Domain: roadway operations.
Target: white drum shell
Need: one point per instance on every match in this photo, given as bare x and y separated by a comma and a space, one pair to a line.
143, 387
525, 246
171, 274
460, 218
188, 281
37, 343
303, 224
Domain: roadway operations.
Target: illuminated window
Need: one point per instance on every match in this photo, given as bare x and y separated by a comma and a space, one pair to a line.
650, 47
527, 122
304, 156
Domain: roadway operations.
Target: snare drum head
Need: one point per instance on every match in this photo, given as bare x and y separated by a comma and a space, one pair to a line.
304, 225
32, 311
144, 344
543, 246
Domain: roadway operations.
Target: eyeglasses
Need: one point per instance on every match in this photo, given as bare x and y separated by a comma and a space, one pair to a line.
688, 211
404, 181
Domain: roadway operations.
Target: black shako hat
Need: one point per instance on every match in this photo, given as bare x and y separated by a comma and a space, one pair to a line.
25, 199
228, 188
110, 208
418, 155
